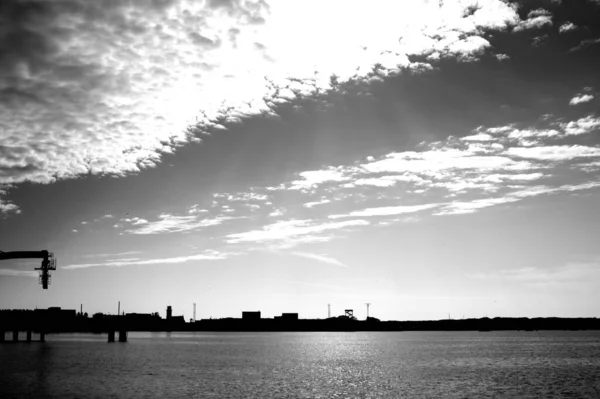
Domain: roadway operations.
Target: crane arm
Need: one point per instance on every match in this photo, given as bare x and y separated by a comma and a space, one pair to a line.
48, 262
24, 255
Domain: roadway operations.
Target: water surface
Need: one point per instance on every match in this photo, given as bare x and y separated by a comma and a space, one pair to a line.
553, 364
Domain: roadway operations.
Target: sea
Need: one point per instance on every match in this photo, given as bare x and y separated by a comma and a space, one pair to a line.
496, 364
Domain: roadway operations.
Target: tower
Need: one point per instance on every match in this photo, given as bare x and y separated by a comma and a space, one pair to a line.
368, 304
194, 312
328, 310
169, 312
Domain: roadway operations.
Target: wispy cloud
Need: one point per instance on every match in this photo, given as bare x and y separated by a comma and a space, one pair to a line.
315, 203
463, 207
555, 153
489, 167
458, 207
208, 255
320, 258
584, 44
386, 211
316, 177
168, 223
573, 273
288, 233
18, 273
107, 255
435, 161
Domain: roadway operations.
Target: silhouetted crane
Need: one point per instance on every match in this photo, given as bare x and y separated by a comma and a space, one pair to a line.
48, 262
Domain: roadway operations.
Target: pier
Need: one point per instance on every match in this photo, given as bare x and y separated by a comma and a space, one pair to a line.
28, 335
42, 336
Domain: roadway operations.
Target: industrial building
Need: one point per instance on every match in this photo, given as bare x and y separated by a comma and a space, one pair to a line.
251, 316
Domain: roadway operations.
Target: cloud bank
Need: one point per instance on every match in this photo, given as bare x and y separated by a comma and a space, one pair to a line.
110, 87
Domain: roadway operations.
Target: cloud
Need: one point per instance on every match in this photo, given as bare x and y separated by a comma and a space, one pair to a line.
276, 213
313, 178
7, 207
18, 273
315, 203
99, 219
242, 197
459, 175
487, 167
195, 209
320, 258
534, 22
463, 207
538, 12
107, 255
490, 166
497, 178
384, 181
386, 211
582, 125
435, 161
581, 98
207, 255
519, 134
292, 231
111, 87
555, 152
590, 166
572, 273
168, 223
585, 43
491, 160
478, 137
567, 27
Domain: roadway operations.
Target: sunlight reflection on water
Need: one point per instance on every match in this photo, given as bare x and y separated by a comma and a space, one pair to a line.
306, 365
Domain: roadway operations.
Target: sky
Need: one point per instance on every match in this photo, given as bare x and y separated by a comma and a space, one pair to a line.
432, 158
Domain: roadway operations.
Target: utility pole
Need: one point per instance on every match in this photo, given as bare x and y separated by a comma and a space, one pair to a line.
368, 304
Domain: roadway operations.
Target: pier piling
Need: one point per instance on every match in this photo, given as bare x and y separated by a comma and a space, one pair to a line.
16, 336
2, 336
122, 336
111, 336
28, 336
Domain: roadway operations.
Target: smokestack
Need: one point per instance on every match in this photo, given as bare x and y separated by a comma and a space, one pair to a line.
119, 309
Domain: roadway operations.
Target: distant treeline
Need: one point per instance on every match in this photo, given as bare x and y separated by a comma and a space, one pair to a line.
59, 320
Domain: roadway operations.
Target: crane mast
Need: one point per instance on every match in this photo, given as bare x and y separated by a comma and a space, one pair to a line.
48, 262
